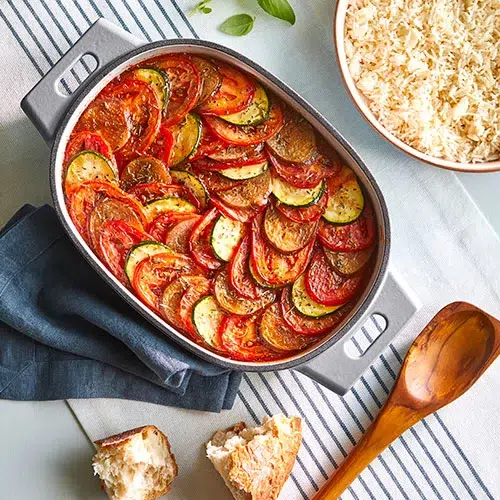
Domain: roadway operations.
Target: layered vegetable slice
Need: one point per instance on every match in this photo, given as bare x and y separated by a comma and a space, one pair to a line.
312, 213
225, 237
188, 301
88, 141
207, 319
256, 112
167, 204
146, 193
186, 136
211, 79
250, 193
157, 79
301, 175
305, 304
193, 184
294, 196
348, 263
160, 227
177, 237
231, 152
243, 215
140, 252
245, 172
199, 241
144, 170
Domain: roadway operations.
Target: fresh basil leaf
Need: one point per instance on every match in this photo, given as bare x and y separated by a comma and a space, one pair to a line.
279, 8
206, 10
201, 7
238, 25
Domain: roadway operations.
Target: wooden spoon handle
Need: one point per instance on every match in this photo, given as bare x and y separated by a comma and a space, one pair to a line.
391, 422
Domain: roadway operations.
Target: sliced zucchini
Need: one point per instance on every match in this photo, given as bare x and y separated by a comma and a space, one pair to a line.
256, 112
225, 236
167, 204
187, 135
246, 172
305, 304
158, 80
88, 166
141, 251
294, 196
207, 317
191, 182
345, 199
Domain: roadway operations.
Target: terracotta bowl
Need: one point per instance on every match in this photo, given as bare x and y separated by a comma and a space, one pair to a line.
361, 103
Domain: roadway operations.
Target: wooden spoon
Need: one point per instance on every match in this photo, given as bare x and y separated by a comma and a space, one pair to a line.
445, 360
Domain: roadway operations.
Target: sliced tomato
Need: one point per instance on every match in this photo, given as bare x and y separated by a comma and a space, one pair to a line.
233, 153
325, 285
311, 213
240, 214
247, 135
85, 141
275, 333
155, 272
144, 170
309, 326
209, 144
234, 94
159, 227
146, 193
192, 295
272, 267
199, 241
163, 145
177, 237
116, 239
252, 193
240, 338
358, 235
108, 117
301, 175
252, 155
240, 278
185, 86
143, 112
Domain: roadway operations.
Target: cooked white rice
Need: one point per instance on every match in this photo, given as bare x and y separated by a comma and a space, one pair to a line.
430, 70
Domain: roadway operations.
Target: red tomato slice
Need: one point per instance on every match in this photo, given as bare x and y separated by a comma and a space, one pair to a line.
199, 242
240, 277
247, 135
149, 192
240, 338
232, 152
359, 235
309, 326
159, 227
185, 86
234, 95
192, 295
273, 267
177, 237
209, 144
251, 157
155, 272
327, 287
83, 199
240, 214
301, 175
306, 214
143, 112
84, 141
163, 144
116, 239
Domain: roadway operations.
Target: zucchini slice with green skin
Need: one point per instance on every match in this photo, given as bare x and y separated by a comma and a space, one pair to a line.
225, 236
207, 317
305, 304
345, 198
158, 80
187, 136
246, 172
88, 166
294, 196
167, 204
139, 252
256, 112
191, 182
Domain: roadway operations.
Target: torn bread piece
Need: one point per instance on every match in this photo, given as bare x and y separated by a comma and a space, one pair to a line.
255, 462
135, 465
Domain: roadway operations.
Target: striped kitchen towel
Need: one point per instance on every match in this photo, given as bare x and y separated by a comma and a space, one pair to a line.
442, 246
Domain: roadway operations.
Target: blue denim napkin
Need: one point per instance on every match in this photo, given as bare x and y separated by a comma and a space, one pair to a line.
65, 334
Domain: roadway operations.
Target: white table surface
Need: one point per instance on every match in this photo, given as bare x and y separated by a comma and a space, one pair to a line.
45, 454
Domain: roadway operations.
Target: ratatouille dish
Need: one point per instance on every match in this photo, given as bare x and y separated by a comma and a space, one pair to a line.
219, 207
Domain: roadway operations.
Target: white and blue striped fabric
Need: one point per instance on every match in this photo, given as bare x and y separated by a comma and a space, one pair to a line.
441, 245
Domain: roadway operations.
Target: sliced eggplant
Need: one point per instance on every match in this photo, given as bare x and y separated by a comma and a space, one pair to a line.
294, 196
305, 304
345, 198
250, 193
144, 170
193, 184
245, 172
225, 237
256, 112
207, 317
168, 204
88, 166
187, 135
158, 80
139, 252
347, 263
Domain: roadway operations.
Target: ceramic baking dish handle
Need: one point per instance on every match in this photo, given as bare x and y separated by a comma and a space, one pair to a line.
45, 105
336, 368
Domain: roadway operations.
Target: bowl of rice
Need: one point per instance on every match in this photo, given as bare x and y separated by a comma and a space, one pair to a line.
426, 76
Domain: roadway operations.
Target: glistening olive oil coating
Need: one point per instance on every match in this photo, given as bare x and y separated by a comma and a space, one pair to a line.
219, 207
